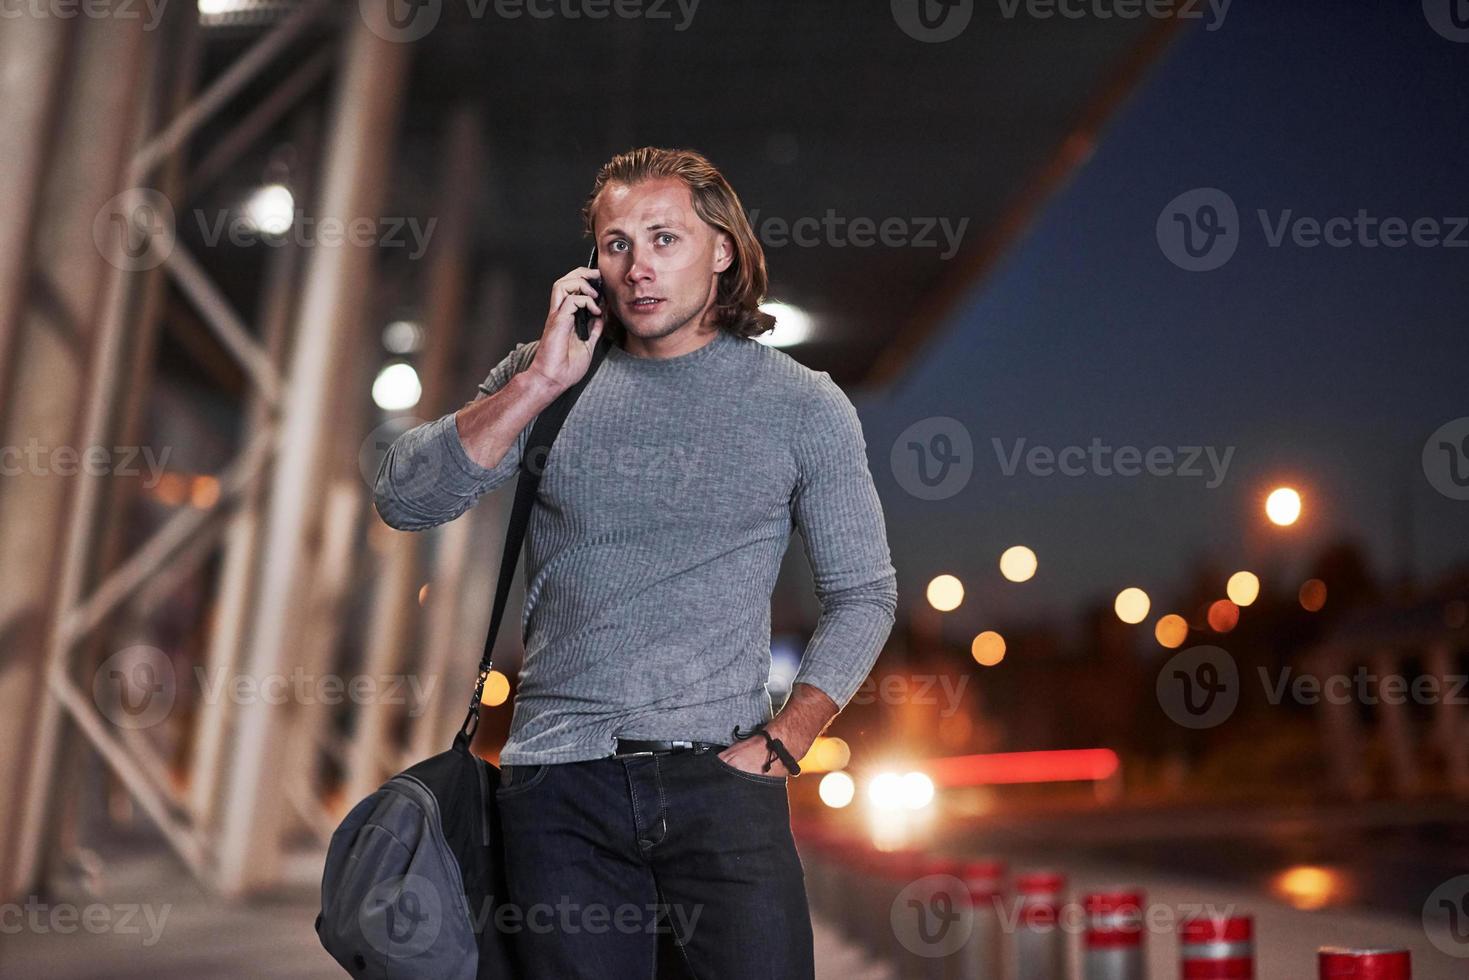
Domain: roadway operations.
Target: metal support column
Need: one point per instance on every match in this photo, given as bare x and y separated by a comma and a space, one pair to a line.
357, 157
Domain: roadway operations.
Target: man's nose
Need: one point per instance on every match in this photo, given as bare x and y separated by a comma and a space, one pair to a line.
638, 269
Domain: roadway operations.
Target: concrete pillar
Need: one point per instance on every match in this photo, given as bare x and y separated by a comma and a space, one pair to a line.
63, 392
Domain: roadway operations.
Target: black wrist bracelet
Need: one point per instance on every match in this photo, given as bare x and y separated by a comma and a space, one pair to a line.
776, 749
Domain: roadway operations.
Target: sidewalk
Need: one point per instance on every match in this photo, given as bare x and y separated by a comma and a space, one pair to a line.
184, 933
202, 936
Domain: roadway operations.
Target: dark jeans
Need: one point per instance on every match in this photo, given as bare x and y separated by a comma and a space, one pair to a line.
607, 858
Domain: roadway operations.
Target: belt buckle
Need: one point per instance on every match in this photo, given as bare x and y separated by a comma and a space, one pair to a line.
631, 754
674, 745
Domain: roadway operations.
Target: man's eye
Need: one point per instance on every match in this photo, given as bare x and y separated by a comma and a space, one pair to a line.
669, 237
615, 246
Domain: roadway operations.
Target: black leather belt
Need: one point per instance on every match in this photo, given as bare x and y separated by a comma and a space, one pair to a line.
660, 746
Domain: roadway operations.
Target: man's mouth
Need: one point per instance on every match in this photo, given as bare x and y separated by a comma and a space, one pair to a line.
645, 303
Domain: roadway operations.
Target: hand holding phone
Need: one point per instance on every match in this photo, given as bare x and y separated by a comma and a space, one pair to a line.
576, 311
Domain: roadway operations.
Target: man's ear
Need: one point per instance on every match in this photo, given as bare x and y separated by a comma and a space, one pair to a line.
724, 253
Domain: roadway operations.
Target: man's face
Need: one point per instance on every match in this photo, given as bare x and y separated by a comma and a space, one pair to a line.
652, 246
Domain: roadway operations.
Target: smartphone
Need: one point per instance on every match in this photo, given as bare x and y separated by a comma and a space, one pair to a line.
583, 318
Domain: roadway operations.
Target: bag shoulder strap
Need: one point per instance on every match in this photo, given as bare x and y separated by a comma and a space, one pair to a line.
532, 464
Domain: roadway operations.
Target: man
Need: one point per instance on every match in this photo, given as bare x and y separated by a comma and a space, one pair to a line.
631, 778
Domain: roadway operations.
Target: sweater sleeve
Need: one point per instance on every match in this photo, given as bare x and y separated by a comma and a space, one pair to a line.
426, 477
836, 508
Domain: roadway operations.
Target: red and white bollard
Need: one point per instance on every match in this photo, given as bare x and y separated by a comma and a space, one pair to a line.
1337, 963
983, 955
1217, 948
1040, 943
1114, 936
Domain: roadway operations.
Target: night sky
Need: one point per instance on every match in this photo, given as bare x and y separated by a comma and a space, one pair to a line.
1323, 367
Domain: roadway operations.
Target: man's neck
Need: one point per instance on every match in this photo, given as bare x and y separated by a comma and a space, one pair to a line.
682, 341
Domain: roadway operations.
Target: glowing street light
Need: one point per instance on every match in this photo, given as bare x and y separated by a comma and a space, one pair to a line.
271, 210
836, 789
1171, 630
1243, 588
1018, 563
1283, 506
792, 325
895, 791
1132, 605
988, 648
396, 388
1223, 616
945, 592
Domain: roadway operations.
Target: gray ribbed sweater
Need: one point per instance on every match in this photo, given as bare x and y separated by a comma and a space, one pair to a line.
665, 508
